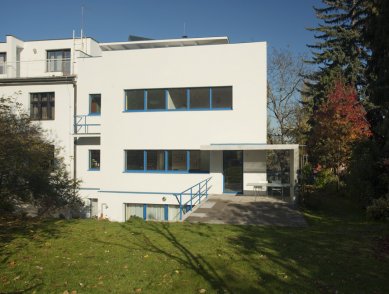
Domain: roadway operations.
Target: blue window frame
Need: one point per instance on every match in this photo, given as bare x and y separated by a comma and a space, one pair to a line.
167, 161
94, 104
173, 99
94, 160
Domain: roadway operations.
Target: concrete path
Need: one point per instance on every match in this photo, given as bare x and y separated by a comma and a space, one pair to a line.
244, 210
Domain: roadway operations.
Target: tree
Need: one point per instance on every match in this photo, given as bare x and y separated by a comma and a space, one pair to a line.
285, 75
340, 124
339, 50
30, 172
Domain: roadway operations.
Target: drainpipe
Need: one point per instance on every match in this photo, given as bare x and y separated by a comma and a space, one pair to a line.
75, 130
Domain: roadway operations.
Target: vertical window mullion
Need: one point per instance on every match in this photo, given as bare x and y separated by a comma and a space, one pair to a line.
145, 100
210, 98
144, 160
187, 160
188, 98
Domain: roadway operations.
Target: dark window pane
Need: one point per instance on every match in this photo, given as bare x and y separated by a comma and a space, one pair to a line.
156, 99
176, 98
222, 97
177, 160
135, 160
199, 98
134, 100
155, 160
199, 161
42, 106
95, 103
94, 159
3, 59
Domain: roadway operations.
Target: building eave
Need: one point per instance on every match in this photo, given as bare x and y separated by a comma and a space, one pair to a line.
38, 81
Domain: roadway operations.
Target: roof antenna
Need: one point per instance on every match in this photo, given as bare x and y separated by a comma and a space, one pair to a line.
82, 20
185, 36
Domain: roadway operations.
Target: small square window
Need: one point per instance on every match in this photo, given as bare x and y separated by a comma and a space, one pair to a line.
135, 99
94, 159
95, 104
156, 99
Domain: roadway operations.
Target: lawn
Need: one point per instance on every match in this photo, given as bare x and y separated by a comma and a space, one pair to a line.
334, 254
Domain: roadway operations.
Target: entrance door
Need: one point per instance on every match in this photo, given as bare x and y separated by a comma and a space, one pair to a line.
94, 209
233, 171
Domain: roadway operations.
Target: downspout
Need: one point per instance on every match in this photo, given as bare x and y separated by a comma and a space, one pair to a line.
75, 130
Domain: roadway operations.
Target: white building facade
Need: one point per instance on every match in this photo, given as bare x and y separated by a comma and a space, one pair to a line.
140, 122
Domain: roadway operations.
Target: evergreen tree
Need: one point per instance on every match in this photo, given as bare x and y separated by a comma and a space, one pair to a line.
339, 50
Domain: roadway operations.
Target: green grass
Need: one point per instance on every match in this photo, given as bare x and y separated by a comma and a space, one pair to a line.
338, 251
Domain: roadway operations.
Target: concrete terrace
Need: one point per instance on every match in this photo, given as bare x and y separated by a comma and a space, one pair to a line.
247, 210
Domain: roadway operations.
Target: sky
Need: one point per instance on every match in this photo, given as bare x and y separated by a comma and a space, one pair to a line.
281, 23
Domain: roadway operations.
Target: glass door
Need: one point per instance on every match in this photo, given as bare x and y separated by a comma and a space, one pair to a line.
233, 171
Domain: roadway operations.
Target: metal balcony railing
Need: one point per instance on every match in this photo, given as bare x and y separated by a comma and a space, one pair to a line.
36, 68
82, 125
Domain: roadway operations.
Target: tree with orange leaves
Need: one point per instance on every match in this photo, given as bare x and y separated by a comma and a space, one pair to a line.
340, 122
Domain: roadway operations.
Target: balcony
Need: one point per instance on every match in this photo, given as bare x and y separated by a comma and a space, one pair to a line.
36, 68
86, 125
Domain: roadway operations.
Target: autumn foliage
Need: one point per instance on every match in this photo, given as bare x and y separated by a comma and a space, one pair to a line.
340, 122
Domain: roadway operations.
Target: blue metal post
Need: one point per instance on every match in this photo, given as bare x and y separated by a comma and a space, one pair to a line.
206, 189
180, 206
199, 193
191, 199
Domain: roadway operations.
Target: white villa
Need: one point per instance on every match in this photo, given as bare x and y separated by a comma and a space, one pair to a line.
151, 127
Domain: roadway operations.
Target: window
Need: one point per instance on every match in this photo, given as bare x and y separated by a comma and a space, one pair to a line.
199, 161
135, 160
156, 99
95, 104
58, 61
134, 210
42, 106
222, 97
135, 100
177, 160
177, 98
194, 161
155, 212
155, 160
199, 98
94, 159
3, 59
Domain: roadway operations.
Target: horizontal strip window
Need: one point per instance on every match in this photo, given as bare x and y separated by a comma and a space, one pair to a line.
203, 98
160, 212
167, 161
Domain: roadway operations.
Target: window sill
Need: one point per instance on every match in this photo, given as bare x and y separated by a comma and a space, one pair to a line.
175, 110
94, 169
162, 172
94, 114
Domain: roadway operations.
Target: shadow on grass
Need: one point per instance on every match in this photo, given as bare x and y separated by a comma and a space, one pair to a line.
178, 252
35, 230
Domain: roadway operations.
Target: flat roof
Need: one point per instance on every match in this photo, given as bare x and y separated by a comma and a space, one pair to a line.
248, 146
146, 44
